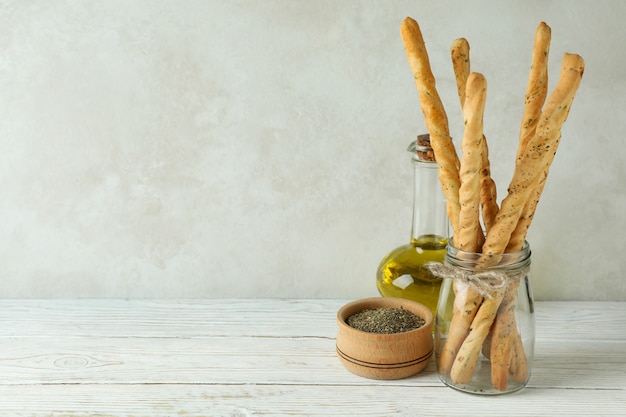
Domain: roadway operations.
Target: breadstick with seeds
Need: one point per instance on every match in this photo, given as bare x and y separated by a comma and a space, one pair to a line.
543, 147
460, 54
537, 88
544, 144
435, 117
536, 93
519, 363
467, 300
518, 237
466, 303
467, 357
471, 164
502, 330
505, 329
488, 195
536, 160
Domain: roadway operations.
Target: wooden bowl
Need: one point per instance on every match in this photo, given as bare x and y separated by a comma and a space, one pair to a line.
384, 356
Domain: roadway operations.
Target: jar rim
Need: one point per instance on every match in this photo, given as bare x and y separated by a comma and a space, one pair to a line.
469, 260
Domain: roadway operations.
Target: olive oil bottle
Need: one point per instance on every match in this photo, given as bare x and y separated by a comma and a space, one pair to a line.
401, 272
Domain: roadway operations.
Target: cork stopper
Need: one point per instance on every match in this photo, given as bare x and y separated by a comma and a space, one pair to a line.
422, 148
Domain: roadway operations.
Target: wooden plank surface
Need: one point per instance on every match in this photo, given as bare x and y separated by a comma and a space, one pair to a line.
272, 357
138, 400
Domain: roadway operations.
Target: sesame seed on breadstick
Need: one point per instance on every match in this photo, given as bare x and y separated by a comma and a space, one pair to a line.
435, 117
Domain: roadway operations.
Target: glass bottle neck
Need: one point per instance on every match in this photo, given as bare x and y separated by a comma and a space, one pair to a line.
430, 220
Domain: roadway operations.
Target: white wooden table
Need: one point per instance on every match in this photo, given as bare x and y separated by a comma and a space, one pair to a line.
191, 358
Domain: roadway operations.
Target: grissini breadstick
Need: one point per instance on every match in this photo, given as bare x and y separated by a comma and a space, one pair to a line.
537, 88
460, 54
544, 146
467, 299
519, 363
518, 236
503, 328
469, 221
546, 141
471, 164
462, 317
466, 303
488, 193
536, 159
536, 93
467, 356
435, 117
539, 139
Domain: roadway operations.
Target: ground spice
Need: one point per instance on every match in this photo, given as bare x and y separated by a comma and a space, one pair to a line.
385, 320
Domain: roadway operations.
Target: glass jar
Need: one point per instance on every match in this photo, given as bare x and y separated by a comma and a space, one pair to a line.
485, 323
402, 272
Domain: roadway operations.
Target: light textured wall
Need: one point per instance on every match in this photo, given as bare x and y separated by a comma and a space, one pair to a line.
155, 148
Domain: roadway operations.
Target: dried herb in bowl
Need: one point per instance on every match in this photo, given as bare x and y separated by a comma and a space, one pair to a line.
385, 320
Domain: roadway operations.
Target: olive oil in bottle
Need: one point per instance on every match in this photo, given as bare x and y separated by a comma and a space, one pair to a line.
401, 272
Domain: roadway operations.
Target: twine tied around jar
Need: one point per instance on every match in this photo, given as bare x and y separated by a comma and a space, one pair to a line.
486, 282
